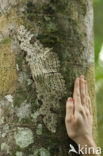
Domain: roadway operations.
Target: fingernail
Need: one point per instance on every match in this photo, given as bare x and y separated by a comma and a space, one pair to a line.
82, 76
70, 99
77, 78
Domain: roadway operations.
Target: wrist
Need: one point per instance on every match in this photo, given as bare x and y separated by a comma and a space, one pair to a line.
87, 143
85, 140
91, 143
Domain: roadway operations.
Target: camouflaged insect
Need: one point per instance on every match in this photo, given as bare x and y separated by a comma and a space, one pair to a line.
45, 69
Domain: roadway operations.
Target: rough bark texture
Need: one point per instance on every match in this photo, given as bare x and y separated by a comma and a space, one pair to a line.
44, 46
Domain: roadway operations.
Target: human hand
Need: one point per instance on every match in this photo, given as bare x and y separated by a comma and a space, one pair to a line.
78, 118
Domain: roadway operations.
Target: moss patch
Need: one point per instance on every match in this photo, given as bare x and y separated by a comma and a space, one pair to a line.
8, 74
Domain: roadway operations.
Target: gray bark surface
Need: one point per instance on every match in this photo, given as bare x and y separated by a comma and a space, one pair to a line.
44, 46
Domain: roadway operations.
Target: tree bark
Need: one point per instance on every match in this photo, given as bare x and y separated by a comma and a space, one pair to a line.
44, 46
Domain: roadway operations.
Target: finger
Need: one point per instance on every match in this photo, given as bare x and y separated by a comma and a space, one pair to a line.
89, 105
82, 89
88, 101
76, 94
69, 109
86, 92
87, 89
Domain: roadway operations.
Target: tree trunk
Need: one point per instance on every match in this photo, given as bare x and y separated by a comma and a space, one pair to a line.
44, 46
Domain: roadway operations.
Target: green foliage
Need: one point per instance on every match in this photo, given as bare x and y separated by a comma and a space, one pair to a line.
99, 73
98, 29
100, 114
98, 20
96, 1
98, 45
